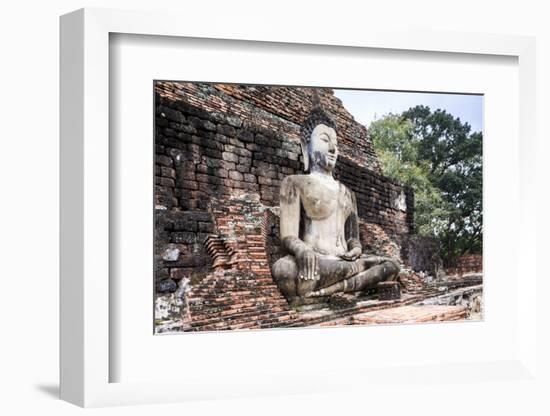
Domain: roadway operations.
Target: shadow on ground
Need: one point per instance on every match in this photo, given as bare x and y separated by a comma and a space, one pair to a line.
51, 390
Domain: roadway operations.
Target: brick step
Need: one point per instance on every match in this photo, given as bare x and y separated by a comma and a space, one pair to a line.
414, 313
214, 307
348, 312
258, 323
464, 282
238, 289
214, 313
254, 317
265, 324
218, 307
309, 320
256, 279
227, 328
218, 310
225, 293
243, 318
234, 286
237, 294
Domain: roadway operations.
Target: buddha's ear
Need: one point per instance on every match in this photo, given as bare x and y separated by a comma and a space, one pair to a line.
305, 155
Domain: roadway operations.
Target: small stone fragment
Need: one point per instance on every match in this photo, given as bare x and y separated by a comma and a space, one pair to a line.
167, 286
171, 254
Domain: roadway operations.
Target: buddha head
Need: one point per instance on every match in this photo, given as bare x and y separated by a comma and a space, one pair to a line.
319, 142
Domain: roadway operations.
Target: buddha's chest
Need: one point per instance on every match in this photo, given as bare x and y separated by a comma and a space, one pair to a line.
321, 202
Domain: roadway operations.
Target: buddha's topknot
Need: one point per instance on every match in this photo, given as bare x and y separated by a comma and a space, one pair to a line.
316, 116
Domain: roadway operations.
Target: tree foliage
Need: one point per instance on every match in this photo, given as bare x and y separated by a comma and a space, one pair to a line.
441, 159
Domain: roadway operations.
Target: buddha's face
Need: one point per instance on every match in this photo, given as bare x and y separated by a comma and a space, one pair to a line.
323, 150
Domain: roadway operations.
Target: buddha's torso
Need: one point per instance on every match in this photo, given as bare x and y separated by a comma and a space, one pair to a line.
325, 207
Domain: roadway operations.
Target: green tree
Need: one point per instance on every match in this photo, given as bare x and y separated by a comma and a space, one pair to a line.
441, 159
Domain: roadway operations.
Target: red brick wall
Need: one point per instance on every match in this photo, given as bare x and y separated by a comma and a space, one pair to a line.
278, 109
466, 264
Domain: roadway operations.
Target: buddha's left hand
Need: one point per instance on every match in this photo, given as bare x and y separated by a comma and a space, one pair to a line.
351, 255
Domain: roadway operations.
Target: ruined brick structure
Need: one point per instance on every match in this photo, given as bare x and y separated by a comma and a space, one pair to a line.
218, 146
469, 263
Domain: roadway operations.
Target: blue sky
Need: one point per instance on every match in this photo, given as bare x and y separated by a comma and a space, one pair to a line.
366, 106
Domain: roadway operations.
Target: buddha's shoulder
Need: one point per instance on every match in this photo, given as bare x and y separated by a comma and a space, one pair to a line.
296, 180
300, 181
294, 185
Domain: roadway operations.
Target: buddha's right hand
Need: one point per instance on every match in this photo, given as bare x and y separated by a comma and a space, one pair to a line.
308, 263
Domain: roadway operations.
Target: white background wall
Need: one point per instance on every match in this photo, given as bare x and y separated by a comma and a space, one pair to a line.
29, 174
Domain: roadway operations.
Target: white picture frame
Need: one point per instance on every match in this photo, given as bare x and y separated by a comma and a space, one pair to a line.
86, 356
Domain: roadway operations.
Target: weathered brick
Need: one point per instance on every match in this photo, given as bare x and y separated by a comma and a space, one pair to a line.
237, 176
266, 192
245, 161
233, 184
165, 182
243, 168
261, 140
292, 156
262, 180
230, 148
195, 122
183, 237
186, 174
164, 160
230, 157
249, 178
202, 168
207, 125
226, 130
194, 148
228, 165
184, 224
235, 142
208, 178
161, 122
251, 187
221, 172
168, 172
201, 237
186, 128
210, 187
220, 138
245, 136
271, 174
170, 114
234, 121
180, 273
188, 184
243, 152
206, 227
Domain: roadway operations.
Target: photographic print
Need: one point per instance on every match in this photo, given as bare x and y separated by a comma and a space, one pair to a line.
286, 206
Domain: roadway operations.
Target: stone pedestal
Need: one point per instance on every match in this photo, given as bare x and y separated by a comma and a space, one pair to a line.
389, 290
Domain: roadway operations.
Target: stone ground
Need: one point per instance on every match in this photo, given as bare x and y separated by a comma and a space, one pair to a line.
259, 306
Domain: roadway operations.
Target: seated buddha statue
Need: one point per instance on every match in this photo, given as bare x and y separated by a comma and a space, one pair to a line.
319, 226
